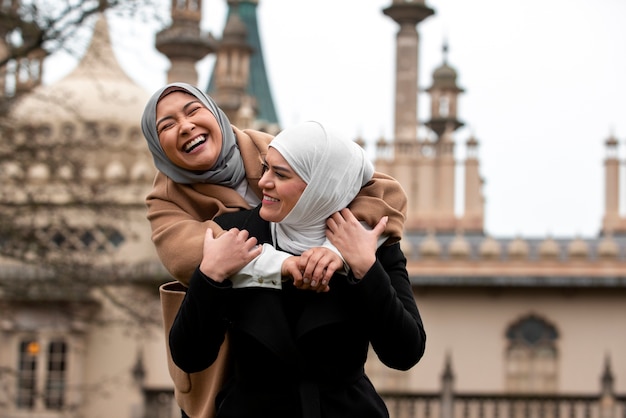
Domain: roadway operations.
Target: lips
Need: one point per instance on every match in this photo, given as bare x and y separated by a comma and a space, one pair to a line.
269, 198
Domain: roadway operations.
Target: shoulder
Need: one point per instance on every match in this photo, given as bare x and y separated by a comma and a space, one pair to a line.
249, 220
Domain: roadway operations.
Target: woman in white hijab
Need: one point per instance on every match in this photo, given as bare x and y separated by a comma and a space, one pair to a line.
295, 353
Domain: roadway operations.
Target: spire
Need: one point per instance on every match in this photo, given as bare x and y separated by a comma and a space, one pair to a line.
99, 60
258, 83
444, 93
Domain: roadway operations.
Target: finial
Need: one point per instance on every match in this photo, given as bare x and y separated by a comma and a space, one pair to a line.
444, 50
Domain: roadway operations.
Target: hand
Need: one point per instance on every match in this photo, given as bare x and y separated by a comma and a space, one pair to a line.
230, 252
313, 269
356, 244
317, 266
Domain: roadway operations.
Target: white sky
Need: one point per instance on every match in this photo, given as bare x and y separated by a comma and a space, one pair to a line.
545, 86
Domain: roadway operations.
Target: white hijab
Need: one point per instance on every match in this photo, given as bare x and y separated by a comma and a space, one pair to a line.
334, 169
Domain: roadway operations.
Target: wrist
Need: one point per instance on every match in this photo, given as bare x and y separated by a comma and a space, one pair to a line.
359, 271
212, 273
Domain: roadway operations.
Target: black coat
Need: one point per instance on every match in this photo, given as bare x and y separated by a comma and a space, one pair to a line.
299, 353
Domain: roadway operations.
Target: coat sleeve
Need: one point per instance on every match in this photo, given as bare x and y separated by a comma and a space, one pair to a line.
382, 196
199, 328
387, 302
179, 216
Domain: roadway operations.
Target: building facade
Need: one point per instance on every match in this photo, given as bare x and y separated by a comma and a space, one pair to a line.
515, 326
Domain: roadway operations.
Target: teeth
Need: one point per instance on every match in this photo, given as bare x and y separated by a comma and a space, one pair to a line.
192, 144
271, 199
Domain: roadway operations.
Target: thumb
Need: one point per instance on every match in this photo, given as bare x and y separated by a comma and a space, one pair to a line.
380, 226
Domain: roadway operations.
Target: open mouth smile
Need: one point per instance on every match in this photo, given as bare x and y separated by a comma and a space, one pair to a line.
194, 143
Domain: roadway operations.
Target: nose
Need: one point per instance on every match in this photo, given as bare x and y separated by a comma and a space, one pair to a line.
264, 181
187, 126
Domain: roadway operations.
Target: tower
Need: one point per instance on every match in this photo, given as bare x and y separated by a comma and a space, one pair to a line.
611, 221
183, 43
256, 93
407, 14
426, 167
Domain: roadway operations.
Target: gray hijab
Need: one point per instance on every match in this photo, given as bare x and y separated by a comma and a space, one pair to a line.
228, 169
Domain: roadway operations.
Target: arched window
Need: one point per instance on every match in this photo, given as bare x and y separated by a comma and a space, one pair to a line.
531, 356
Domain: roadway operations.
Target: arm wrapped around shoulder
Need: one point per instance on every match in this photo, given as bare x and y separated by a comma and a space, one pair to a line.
382, 196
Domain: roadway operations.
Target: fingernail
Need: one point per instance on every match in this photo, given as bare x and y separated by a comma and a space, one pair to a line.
305, 280
313, 283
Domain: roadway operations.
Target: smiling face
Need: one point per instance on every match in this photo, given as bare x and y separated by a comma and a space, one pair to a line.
281, 186
188, 132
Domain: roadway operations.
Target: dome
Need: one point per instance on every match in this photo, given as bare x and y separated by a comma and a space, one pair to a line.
459, 247
96, 90
549, 249
608, 248
490, 248
578, 248
518, 249
444, 77
87, 125
430, 247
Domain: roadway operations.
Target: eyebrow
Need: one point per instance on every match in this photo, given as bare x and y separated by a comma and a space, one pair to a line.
279, 168
185, 107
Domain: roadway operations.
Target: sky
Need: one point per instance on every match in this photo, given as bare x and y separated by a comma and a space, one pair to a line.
544, 81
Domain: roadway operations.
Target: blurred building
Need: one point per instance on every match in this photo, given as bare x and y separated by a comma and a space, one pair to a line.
516, 326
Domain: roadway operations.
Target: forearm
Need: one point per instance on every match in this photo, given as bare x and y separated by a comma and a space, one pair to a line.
386, 296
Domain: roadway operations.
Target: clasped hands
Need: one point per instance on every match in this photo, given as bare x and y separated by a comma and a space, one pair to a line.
313, 269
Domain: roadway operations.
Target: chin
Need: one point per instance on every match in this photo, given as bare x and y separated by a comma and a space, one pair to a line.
268, 216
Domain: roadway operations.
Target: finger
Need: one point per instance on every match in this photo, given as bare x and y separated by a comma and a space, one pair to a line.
243, 234
309, 270
380, 226
331, 224
256, 251
323, 289
347, 214
251, 243
319, 273
295, 274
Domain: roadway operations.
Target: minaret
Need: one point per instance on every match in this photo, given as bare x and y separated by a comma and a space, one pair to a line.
444, 94
183, 43
473, 216
258, 86
611, 219
444, 122
407, 13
